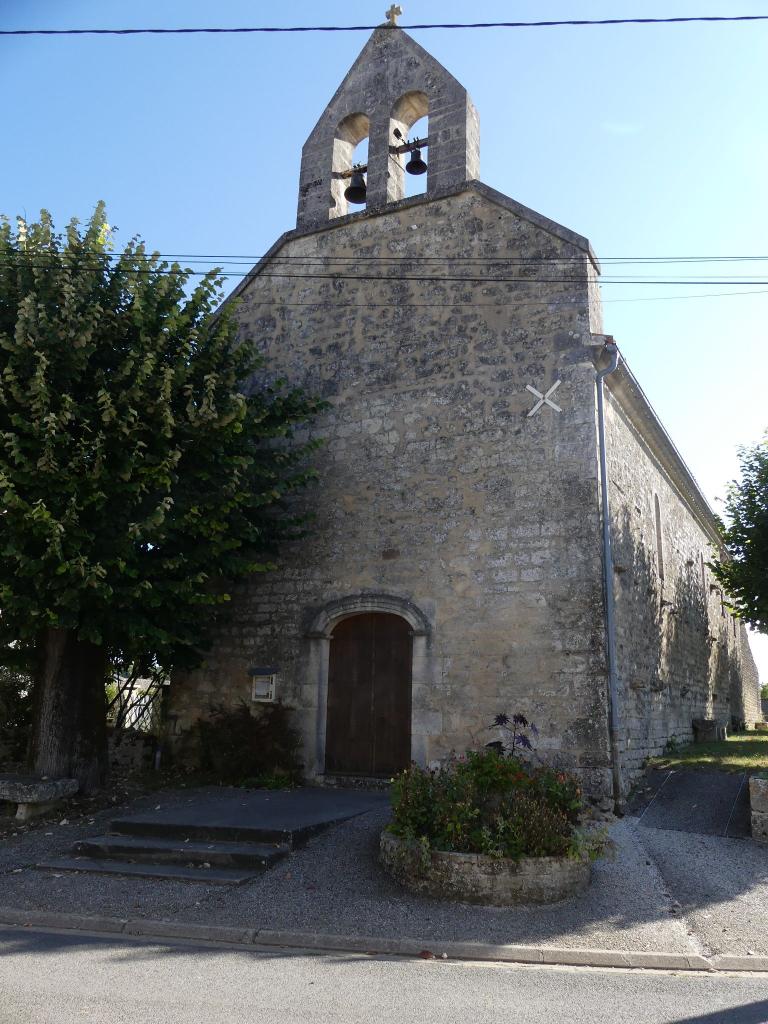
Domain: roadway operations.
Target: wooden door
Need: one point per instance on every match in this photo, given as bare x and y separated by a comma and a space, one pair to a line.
368, 729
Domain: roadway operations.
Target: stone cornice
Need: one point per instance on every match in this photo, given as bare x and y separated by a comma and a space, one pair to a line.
623, 388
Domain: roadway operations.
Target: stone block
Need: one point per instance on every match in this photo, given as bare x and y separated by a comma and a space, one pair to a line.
26, 811
758, 794
429, 723
708, 730
760, 827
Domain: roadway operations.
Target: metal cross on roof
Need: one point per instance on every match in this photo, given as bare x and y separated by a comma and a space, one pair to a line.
544, 399
393, 14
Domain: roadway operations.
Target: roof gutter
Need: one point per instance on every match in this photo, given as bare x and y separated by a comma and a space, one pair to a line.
612, 351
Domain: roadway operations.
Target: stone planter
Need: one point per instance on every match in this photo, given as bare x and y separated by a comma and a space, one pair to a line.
758, 803
475, 878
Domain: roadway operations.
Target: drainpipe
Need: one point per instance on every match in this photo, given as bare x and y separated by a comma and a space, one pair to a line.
611, 350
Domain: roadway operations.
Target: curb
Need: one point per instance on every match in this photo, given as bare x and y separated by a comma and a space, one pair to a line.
255, 939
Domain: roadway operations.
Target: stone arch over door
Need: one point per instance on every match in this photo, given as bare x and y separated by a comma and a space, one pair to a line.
319, 638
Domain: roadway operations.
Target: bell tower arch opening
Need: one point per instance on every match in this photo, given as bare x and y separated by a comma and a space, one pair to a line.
350, 151
409, 122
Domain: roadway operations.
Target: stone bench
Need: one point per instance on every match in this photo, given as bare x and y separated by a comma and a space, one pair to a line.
34, 795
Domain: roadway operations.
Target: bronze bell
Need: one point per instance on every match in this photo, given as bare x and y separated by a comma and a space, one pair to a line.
355, 192
416, 165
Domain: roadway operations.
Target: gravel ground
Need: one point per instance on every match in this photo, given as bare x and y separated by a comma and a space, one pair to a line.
334, 885
722, 886
663, 891
22, 886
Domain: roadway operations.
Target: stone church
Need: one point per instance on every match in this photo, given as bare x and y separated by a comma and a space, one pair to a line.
480, 424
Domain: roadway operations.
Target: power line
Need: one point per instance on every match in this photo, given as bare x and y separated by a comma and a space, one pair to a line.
701, 295
370, 28
251, 260
324, 259
432, 279
225, 265
424, 278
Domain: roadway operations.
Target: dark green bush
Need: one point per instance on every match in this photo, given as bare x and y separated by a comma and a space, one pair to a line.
486, 802
15, 716
238, 748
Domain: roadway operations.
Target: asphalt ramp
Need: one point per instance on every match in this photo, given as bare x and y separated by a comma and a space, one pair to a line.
710, 803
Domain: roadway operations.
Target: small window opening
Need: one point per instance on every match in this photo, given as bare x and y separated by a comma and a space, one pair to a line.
659, 537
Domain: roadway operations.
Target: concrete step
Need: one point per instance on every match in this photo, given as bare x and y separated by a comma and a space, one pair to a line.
173, 872
229, 814
240, 833
154, 850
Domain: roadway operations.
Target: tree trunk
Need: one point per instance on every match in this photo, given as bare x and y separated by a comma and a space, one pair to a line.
69, 735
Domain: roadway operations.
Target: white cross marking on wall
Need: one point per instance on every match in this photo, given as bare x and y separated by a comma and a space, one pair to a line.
544, 399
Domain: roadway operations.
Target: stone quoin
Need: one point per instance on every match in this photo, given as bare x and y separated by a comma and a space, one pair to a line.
455, 566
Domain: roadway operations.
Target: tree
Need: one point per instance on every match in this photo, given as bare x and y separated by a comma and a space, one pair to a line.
15, 715
141, 471
744, 574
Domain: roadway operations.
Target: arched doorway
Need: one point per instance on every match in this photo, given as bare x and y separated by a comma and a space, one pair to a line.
368, 723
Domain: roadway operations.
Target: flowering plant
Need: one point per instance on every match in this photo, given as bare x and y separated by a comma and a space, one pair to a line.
493, 801
517, 729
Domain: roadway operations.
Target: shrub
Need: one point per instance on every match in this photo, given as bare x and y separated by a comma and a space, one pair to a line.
560, 790
15, 716
494, 802
487, 803
238, 748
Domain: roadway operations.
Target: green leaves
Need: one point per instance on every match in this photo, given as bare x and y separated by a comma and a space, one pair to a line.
136, 477
744, 574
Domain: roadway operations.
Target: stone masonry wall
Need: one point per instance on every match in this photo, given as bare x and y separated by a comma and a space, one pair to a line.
681, 655
436, 489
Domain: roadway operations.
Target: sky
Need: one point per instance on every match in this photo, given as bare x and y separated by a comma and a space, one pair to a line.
651, 141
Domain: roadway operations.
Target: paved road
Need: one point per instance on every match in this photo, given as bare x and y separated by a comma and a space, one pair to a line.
63, 979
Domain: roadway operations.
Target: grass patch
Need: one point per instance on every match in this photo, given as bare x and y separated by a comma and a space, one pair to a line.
743, 752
